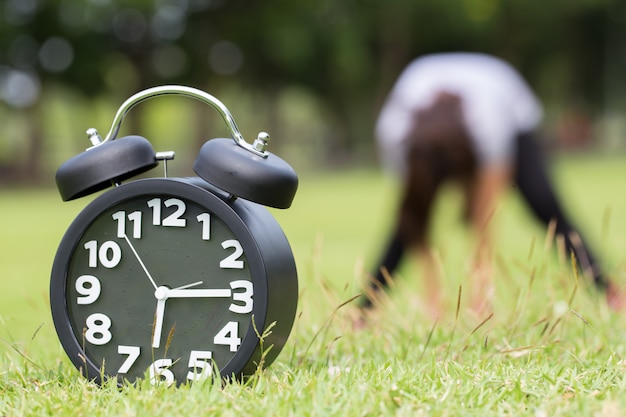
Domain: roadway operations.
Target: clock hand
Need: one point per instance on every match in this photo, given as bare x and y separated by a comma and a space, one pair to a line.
162, 294
158, 322
132, 248
193, 284
198, 293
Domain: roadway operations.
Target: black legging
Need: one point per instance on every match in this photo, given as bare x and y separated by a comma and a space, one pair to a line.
534, 184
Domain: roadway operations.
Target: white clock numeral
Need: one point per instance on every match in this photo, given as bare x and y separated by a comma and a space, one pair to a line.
88, 287
160, 372
155, 205
199, 360
245, 296
134, 218
229, 336
132, 352
175, 219
205, 219
98, 329
232, 260
200, 363
109, 254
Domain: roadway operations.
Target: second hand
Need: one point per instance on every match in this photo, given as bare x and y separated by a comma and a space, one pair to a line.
132, 248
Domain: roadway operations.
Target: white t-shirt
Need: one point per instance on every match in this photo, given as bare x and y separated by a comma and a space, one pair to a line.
497, 104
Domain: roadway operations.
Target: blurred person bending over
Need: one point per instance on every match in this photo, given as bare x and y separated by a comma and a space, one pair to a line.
472, 119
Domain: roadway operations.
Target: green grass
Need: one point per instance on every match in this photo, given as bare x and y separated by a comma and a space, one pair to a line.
552, 347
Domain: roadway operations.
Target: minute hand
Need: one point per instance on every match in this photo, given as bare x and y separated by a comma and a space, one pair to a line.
199, 293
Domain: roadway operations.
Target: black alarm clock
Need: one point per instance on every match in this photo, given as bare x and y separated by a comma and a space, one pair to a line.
174, 279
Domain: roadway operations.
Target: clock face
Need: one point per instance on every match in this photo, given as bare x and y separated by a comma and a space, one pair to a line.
157, 281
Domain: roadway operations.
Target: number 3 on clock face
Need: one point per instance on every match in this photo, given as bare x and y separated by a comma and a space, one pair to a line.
164, 278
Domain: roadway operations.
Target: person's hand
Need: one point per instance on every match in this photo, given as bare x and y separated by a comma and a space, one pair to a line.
616, 297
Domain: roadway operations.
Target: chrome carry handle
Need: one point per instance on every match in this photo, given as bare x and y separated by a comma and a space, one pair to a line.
258, 147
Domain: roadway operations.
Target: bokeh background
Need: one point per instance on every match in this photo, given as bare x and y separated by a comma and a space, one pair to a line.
312, 73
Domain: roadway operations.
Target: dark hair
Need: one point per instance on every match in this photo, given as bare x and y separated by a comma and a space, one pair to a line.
439, 149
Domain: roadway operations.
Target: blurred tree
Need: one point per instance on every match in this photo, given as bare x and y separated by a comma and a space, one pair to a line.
344, 54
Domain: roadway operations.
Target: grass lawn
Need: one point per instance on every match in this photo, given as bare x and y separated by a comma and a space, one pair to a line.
552, 348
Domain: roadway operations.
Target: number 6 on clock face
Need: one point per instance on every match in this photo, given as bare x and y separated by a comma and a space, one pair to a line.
169, 279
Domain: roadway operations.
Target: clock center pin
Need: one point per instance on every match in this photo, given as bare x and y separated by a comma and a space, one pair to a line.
161, 293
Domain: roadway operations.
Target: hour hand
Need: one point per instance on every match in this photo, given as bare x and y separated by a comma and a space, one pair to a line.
161, 294
158, 323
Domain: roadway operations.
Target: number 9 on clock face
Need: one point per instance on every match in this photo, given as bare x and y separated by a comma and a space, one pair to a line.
170, 280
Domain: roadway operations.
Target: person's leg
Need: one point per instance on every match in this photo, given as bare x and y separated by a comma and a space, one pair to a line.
389, 262
533, 183
410, 231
